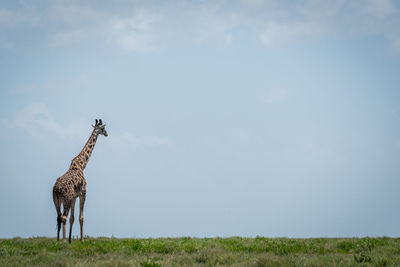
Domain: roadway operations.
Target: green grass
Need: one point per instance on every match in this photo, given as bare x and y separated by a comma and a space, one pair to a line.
234, 251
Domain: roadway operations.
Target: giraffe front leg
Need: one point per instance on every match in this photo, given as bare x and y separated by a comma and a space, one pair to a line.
71, 220
82, 199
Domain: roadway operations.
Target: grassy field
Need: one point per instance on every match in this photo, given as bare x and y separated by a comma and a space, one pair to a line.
235, 251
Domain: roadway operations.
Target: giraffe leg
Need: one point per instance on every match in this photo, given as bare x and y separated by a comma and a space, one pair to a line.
67, 206
71, 220
57, 204
82, 198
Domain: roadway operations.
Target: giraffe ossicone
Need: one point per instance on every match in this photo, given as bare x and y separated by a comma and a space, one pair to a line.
72, 184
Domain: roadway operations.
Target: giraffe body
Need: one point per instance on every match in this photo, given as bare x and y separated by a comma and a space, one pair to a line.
72, 185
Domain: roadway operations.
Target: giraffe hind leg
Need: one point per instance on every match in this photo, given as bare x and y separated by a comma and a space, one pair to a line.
71, 220
57, 204
67, 206
58, 226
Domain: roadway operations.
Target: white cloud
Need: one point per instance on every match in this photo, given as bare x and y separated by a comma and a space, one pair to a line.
275, 96
228, 39
6, 44
283, 33
38, 122
76, 23
210, 24
320, 10
143, 29
11, 18
8, 17
396, 43
74, 14
67, 37
252, 3
137, 32
147, 27
380, 8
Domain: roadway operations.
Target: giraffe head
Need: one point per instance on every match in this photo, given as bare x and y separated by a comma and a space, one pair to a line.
100, 128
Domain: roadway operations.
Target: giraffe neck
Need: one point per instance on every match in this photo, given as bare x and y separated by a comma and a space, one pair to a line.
80, 161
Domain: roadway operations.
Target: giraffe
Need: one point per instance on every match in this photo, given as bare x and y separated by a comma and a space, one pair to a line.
72, 184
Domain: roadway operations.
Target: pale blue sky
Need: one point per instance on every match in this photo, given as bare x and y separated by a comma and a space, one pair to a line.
225, 118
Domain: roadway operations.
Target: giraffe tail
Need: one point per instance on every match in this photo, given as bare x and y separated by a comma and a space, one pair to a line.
57, 204
58, 221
